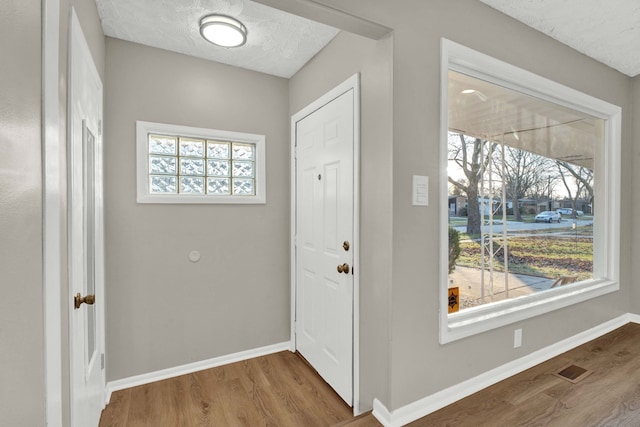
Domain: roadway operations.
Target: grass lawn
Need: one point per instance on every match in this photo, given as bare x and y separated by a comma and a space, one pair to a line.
568, 231
542, 256
457, 221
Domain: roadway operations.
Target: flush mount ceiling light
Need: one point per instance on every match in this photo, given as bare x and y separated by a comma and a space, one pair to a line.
223, 30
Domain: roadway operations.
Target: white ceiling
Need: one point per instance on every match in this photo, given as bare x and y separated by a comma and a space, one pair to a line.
606, 30
278, 43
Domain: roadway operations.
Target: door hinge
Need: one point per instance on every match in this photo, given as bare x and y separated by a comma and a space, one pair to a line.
102, 361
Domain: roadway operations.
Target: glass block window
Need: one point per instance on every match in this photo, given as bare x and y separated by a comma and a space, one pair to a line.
200, 166
212, 167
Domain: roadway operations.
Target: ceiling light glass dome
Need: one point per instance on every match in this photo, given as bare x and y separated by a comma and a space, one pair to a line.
223, 30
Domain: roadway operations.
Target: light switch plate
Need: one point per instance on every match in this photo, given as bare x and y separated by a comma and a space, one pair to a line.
420, 191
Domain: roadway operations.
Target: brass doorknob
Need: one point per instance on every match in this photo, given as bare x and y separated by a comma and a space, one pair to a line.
78, 300
344, 268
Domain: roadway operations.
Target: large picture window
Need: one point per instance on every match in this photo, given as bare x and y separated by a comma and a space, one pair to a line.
531, 196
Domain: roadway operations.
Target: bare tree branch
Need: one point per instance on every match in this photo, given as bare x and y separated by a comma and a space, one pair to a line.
470, 155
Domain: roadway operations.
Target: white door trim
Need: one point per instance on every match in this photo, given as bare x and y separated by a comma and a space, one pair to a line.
352, 83
52, 217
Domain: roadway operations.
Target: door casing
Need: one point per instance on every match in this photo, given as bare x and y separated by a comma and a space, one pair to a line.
352, 83
52, 225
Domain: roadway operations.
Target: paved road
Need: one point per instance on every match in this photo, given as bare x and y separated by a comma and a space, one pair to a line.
524, 226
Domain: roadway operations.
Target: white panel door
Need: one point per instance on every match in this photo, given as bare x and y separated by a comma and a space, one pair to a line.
86, 256
324, 241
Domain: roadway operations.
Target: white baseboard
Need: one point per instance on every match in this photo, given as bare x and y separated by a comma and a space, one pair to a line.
429, 404
634, 318
382, 414
189, 368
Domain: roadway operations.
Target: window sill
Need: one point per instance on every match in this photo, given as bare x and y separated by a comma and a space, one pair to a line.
483, 318
199, 199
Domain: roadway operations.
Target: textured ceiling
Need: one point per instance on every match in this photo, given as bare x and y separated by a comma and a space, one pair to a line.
278, 43
606, 30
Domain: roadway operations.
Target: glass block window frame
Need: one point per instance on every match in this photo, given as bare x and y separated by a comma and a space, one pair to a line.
183, 164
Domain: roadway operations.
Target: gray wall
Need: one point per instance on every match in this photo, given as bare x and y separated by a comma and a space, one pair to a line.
162, 310
343, 57
419, 365
21, 320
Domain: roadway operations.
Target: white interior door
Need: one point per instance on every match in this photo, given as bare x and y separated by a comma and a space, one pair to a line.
324, 242
86, 257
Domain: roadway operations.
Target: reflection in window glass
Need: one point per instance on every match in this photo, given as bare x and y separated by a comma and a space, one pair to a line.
521, 192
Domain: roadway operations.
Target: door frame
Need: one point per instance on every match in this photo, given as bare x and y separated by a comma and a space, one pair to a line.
52, 231
352, 83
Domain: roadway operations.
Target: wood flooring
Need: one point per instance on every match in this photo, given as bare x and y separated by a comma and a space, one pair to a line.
609, 396
281, 390
277, 390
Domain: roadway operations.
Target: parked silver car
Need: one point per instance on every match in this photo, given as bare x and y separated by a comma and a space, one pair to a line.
548, 216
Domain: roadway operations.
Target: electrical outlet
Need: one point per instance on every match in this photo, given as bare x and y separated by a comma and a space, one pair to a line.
517, 338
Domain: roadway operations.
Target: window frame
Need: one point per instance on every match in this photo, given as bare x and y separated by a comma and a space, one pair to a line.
606, 265
143, 129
